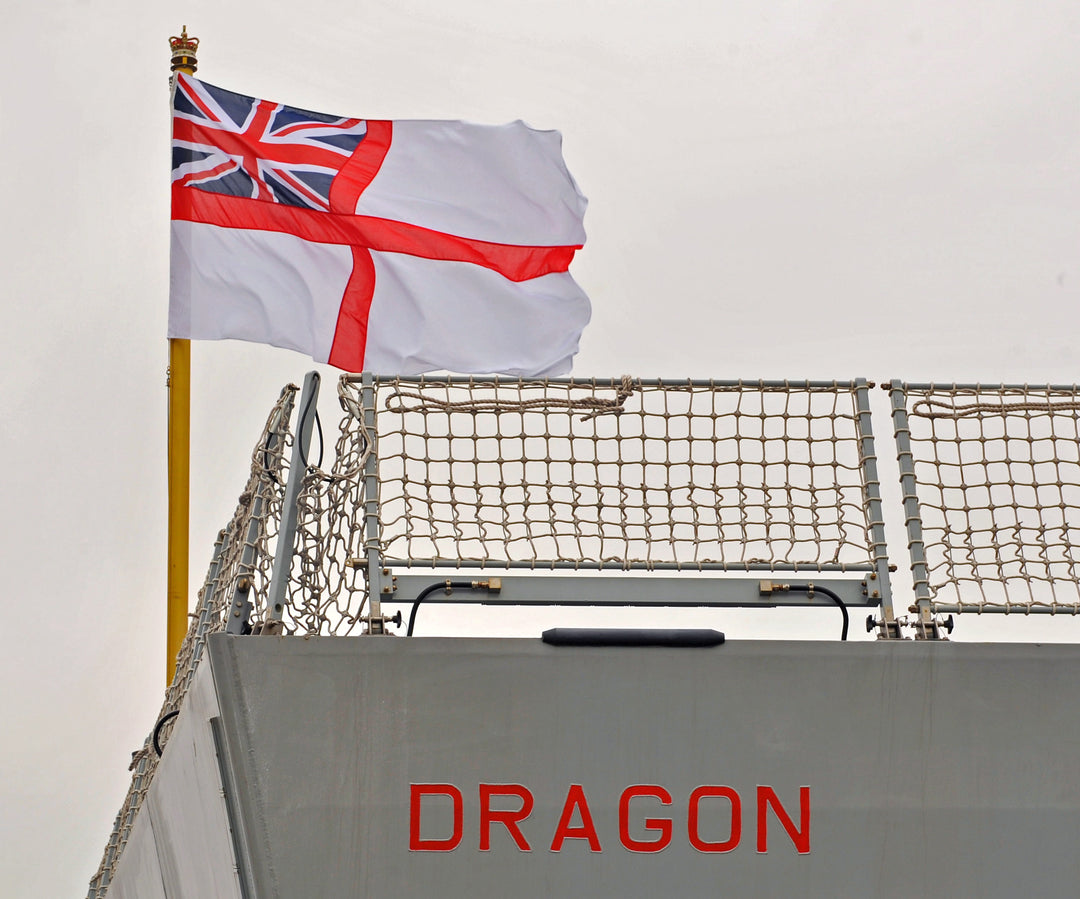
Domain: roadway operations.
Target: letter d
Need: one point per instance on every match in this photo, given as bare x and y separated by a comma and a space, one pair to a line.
417, 793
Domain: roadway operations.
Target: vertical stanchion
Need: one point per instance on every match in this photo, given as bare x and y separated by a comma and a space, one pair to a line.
924, 626
298, 467
240, 606
206, 607
878, 583
372, 553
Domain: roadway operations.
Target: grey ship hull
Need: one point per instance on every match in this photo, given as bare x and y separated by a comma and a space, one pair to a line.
334, 766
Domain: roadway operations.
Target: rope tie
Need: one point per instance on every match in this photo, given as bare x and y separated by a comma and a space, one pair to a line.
939, 409
599, 406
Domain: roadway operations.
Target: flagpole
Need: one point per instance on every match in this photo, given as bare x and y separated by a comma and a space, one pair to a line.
179, 385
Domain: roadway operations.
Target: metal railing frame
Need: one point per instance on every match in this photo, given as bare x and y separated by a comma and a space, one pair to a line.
870, 586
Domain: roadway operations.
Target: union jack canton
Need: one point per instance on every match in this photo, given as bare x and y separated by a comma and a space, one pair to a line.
231, 144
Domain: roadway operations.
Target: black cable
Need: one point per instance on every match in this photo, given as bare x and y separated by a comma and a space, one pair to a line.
165, 719
300, 431
805, 588
427, 591
270, 435
318, 426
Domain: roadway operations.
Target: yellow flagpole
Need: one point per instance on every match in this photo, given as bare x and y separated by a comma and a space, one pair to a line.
179, 384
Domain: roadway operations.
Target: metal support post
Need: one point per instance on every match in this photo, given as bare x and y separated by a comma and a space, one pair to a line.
880, 586
298, 468
238, 615
925, 628
206, 605
372, 552
179, 511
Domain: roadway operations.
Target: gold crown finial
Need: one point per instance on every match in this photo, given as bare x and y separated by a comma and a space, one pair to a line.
184, 49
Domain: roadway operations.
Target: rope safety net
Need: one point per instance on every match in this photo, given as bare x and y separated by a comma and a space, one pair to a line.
622, 473
997, 479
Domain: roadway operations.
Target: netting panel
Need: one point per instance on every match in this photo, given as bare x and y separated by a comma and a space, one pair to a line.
997, 475
245, 550
620, 473
327, 592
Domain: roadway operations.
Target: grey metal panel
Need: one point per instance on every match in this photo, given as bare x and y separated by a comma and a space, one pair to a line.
232, 734
184, 815
933, 768
237, 823
138, 874
640, 590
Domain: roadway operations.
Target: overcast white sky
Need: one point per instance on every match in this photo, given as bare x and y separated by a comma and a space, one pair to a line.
777, 189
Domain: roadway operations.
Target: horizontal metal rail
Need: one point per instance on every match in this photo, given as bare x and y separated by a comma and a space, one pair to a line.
566, 565
922, 388
614, 383
1002, 608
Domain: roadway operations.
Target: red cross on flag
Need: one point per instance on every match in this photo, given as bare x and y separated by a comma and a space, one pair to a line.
396, 247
